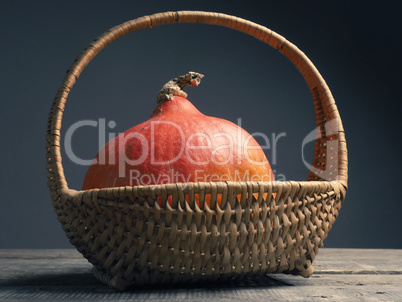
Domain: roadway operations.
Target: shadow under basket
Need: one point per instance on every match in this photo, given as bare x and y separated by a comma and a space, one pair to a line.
132, 235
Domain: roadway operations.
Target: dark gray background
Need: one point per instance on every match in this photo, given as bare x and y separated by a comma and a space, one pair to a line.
355, 46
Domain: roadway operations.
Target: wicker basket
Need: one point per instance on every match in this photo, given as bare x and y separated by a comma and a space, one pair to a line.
132, 242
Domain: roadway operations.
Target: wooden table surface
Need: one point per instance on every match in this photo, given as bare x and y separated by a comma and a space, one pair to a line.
340, 275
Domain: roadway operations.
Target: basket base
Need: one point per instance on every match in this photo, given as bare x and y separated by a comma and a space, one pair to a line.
114, 282
147, 278
118, 283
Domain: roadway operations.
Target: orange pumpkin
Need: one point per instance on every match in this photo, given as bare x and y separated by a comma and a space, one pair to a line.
179, 144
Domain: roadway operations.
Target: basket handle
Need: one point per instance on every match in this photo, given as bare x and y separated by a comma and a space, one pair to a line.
329, 162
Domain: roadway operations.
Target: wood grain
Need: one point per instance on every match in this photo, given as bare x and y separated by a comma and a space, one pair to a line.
341, 275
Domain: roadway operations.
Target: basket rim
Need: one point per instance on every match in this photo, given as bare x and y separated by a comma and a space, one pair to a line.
274, 190
201, 185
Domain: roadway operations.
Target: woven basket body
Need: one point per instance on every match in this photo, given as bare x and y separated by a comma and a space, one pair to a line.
259, 227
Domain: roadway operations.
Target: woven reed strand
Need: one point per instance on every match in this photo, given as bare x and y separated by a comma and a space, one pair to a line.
131, 239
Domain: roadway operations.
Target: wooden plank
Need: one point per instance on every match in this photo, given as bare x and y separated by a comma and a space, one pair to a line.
358, 261
341, 275
40, 253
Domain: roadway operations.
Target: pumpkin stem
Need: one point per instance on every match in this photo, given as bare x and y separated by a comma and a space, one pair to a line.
174, 87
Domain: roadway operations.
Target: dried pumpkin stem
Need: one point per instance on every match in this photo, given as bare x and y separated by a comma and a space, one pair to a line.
174, 87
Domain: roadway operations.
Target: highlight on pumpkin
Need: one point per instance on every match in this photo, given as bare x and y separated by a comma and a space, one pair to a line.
179, 144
